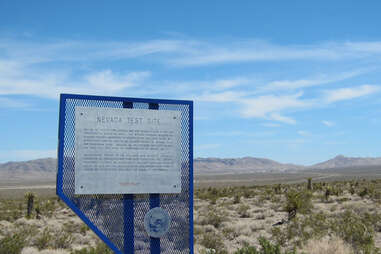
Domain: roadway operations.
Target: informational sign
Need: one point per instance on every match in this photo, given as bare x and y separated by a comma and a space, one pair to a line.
125, 167
123, 151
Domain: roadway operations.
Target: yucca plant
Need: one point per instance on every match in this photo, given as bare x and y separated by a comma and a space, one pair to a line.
309, 183
327, 193
29, 196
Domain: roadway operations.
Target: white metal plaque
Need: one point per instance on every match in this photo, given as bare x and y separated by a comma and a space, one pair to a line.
127, 151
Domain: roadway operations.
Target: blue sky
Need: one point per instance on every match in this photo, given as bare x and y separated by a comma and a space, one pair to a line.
292, 81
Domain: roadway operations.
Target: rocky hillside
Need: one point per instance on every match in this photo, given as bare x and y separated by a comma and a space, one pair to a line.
40, 170
341, 161
240, 165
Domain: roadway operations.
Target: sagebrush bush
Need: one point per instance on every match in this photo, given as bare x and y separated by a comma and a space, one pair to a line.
12, 244
44, 240
266, 247
212, 218
356, 230
213, 241
63, 240
101, 248
298, 201
327, 246
243, 211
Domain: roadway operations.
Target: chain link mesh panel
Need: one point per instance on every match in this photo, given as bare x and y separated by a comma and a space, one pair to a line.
106, 213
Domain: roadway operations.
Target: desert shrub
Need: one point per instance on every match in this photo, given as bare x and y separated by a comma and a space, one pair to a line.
213, 241
213, 200
247, 250
376, 195
269, 194
279, 236
43, 241
101, 248
266, 247
83, 229
248, 193
298, 201
212, 219
352, 190
318, 224
363, 192
327, 246
342, 200
11, 210
278, 189
355, 230
48, 207
243, 211
63, 240
300, 230
70, 227
368, 190
317, 186
229, 233
12, 244
237, 199
336, 190
260, 216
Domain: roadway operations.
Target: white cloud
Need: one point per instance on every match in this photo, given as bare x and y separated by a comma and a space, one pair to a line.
108, 81
254, 51
366, 47
280, 118
79, 51
240, 133
269, 106
23, 80
304, 133
230, 83
24, 155
12, 103
328, 123
319, 80
350, 93
23, 71
186, 52
272, 125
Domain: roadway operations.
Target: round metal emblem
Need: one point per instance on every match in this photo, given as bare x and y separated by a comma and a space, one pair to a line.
156, 222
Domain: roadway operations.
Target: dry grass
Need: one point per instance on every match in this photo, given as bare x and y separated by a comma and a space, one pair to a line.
346, 219
334, 245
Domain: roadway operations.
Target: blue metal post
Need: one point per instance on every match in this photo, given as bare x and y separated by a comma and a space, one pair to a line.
154, 201
128, 212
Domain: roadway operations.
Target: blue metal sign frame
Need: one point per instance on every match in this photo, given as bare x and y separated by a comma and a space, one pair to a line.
104, 213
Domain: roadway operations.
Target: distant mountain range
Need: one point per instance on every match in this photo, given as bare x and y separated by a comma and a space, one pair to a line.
240, 165
252, 165
44, 170
341, 161
36, 171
